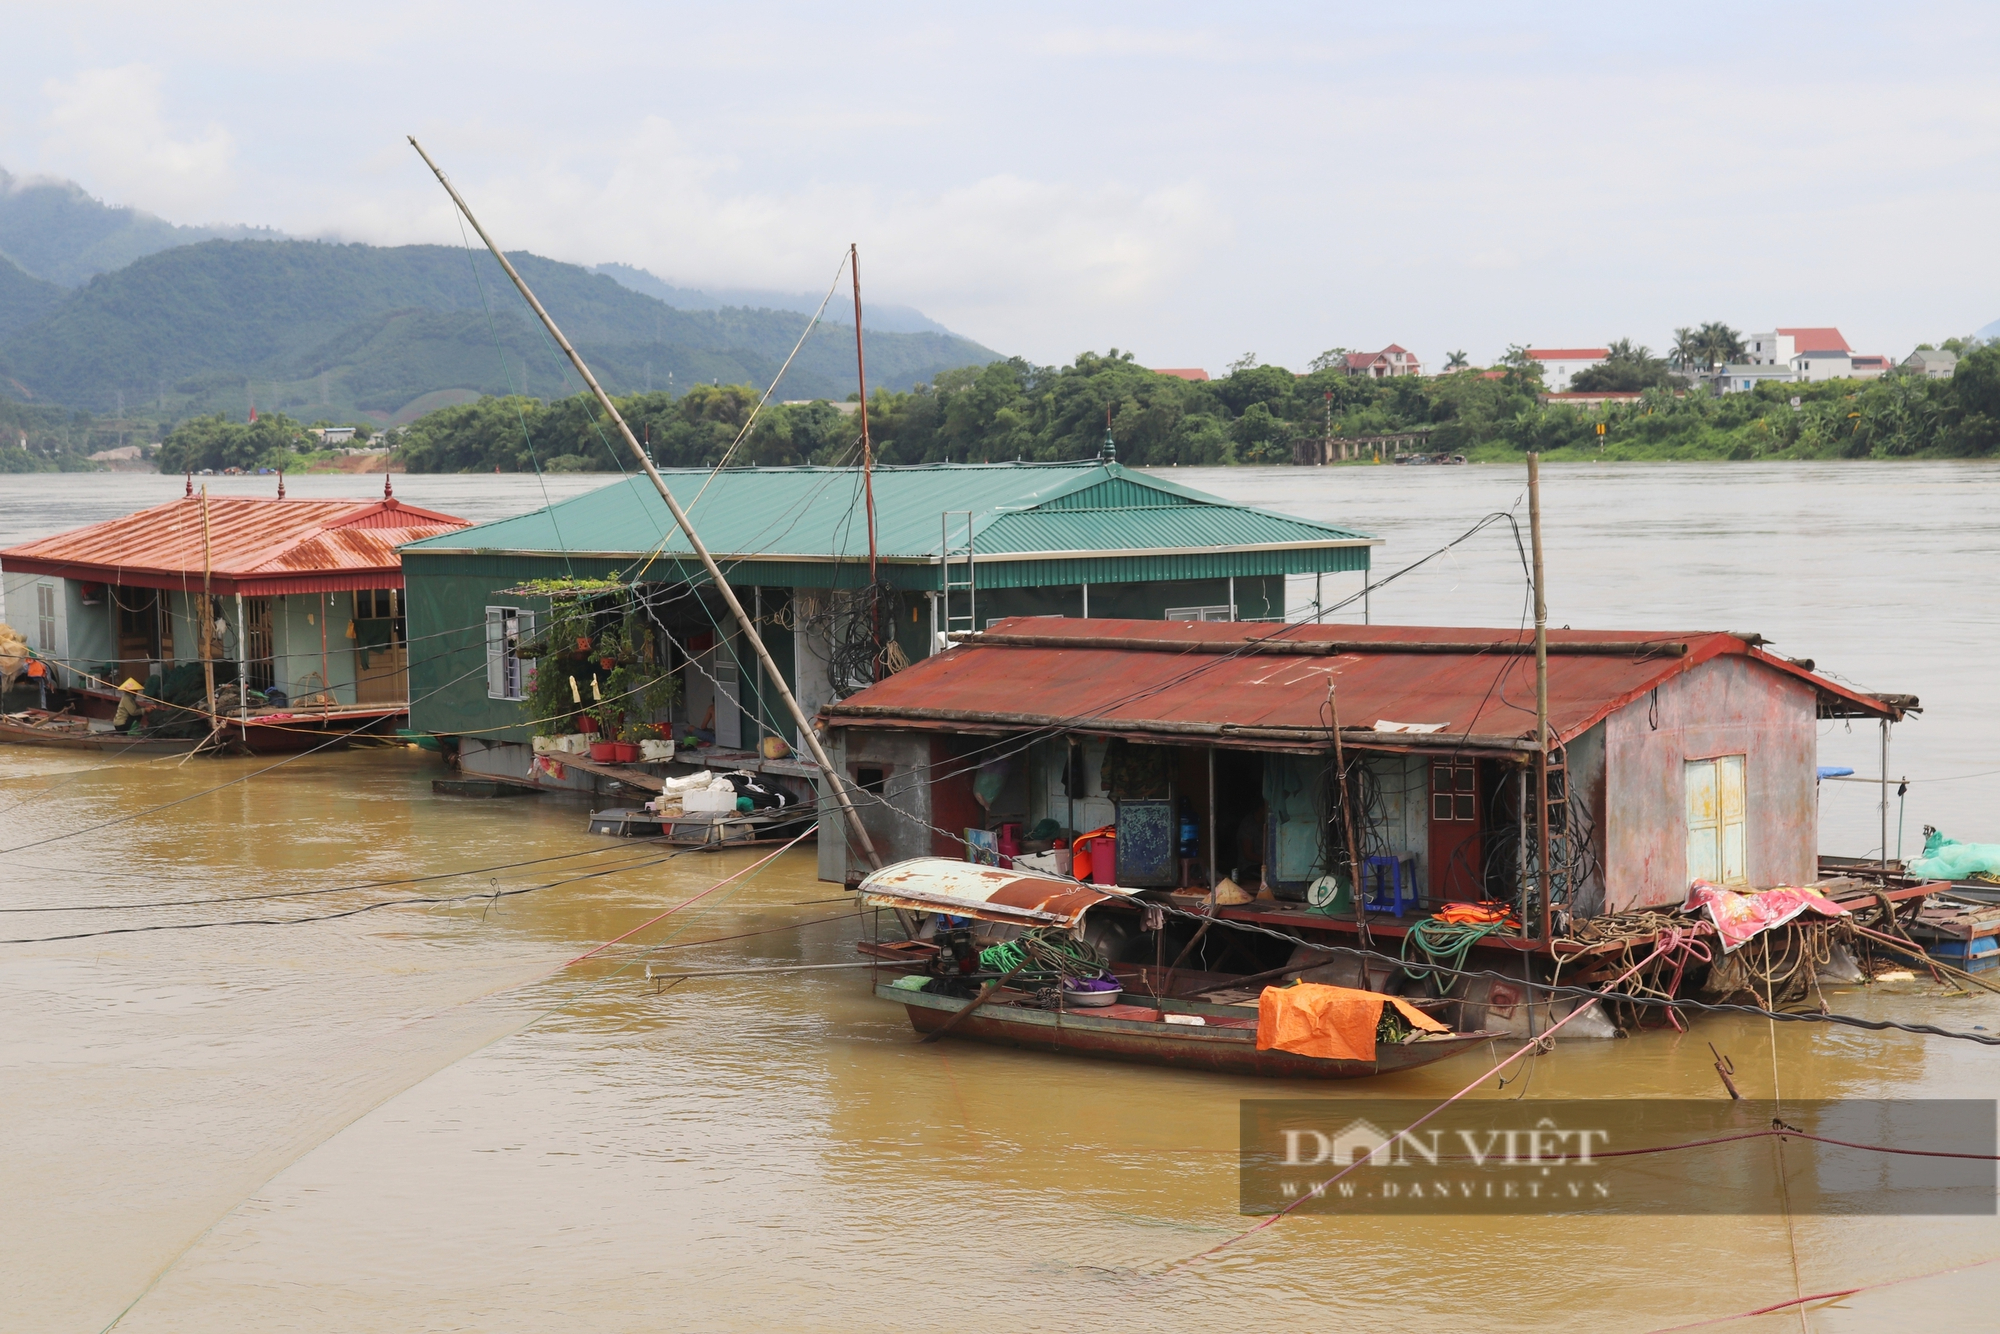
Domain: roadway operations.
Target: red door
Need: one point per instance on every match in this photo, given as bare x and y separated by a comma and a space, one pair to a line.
1456, 864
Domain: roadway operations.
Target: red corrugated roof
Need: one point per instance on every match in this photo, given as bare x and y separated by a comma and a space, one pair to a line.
1393, 674
1181, 372
255, 545
1816, 340
1569, 353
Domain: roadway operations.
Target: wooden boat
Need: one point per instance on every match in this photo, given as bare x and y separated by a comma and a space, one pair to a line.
76, 734
487, 788
1224, 1042
1209, 1024
267, 730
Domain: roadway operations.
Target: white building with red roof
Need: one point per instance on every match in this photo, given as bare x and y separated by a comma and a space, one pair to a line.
1391, 360
1559, 364
1779, 346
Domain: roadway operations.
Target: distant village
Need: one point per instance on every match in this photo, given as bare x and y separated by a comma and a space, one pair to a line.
1778, 356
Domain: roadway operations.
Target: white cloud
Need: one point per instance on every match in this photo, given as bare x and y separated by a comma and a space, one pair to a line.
109, 122
993, 255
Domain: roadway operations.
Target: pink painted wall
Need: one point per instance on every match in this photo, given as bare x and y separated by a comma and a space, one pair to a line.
1728, 706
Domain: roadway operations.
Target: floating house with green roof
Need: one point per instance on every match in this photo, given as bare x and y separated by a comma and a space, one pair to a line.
957, 547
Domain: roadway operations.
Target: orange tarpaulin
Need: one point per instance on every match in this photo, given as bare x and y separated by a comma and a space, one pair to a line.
1338, 1023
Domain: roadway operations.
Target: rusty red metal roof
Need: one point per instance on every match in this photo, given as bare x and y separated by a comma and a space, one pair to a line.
1261, 685
1026, 898
255, 546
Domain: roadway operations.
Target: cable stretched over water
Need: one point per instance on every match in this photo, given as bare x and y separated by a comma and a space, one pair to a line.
486, 896
1588, 994
330, 889
1671, 940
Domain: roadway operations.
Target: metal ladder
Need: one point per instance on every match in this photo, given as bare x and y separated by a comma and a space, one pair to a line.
949, 555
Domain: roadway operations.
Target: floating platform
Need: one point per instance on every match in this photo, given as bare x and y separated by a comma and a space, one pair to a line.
695, 831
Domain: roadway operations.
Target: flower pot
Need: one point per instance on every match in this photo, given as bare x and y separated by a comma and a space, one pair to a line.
586, 724
605, 752
607, 663
582, 645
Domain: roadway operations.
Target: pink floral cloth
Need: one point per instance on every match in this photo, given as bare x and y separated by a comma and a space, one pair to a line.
1739, 916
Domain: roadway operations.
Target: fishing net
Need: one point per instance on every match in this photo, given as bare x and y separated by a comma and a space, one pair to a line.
1948, 859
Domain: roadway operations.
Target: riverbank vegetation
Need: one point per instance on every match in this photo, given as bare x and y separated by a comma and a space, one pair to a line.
275, 442
1012, 409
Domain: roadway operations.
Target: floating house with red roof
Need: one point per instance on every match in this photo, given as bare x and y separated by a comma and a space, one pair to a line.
305, 598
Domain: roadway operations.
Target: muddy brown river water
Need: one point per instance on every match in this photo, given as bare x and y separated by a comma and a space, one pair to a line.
417, 1118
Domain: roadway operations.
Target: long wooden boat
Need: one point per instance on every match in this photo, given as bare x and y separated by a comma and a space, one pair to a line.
272, 731
78, 736
1222, 1043
1167, 1016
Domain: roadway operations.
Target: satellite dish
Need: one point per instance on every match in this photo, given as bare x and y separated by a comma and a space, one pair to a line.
1322, 891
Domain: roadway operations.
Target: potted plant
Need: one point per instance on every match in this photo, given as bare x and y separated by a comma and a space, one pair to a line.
608, 717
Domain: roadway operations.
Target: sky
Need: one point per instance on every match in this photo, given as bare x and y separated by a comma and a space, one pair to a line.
1192, 183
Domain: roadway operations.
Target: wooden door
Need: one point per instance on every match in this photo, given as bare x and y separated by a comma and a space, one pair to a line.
138, 613
1716, 849
1457, 864
258, 644
380, 639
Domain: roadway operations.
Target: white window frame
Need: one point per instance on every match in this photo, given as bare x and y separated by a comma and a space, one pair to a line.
1717, 800
46, 603
1219, 612
508, 674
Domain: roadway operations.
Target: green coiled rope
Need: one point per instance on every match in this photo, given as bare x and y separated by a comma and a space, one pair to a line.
1446, 943
1050, 950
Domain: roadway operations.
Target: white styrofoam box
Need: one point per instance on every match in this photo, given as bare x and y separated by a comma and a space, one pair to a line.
715, 799
1054, 862
656, 750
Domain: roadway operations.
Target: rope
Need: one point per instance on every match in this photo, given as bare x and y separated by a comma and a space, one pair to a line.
1533, 1044
1049, 950
1450, 942
1828, 1296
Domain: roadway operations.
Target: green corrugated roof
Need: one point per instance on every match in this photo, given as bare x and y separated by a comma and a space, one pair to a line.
777, 514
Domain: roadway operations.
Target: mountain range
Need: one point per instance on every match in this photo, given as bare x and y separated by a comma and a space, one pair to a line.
113, 310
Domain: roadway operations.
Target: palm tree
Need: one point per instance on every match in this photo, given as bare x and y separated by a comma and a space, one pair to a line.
1686, 349
1720, 344
1456, 361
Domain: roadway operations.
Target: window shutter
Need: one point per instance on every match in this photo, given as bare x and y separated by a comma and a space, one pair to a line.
1717, 847
526, 666
1704, 854
1734, 858
496, 653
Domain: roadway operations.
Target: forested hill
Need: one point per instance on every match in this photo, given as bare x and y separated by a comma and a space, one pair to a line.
24, 298
341, 331
57, 232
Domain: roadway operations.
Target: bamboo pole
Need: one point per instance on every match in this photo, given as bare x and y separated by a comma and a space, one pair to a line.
242, 671
867, 468
834, 778
1347, 822
205, 625
1541, 691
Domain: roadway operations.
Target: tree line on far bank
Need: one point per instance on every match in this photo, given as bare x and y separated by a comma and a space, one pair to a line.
1012, 409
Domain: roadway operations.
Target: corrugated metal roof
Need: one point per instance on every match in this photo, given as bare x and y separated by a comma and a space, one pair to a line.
255, 545
1470, 687
1026, 898
816, 514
